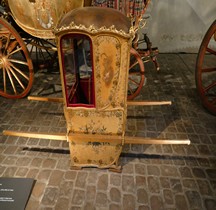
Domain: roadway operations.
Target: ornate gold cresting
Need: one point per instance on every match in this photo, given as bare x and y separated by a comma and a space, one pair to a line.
93, 30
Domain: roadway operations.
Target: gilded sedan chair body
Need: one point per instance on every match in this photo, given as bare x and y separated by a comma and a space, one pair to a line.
94, 48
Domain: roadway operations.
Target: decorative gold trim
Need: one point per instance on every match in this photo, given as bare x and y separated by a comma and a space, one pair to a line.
93, 30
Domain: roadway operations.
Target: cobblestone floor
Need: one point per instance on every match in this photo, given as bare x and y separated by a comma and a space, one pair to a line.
153, 177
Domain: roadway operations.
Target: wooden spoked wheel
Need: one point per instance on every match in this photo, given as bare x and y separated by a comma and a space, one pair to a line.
205, 74
43, 52
136, 74
16, 69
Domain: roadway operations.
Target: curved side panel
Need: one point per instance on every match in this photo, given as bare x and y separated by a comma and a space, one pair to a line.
107, 54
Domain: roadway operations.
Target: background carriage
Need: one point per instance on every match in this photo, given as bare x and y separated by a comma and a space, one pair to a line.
22, 23
205, 74
27, 36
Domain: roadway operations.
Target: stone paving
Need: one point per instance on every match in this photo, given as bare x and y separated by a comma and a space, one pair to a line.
153, 177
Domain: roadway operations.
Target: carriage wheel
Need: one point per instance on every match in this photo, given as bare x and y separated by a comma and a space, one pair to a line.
16, 69
136, 74
205, 74
43, 52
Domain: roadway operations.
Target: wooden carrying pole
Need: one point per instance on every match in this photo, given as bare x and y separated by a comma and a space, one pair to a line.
95, 138
38, 98
52, 136
148, 103
140, 140
129, 103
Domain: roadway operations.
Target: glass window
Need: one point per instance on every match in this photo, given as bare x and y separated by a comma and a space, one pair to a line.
78, 70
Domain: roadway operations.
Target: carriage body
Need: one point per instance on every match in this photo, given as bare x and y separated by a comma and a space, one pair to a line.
26, 29
32, 23
38, 18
